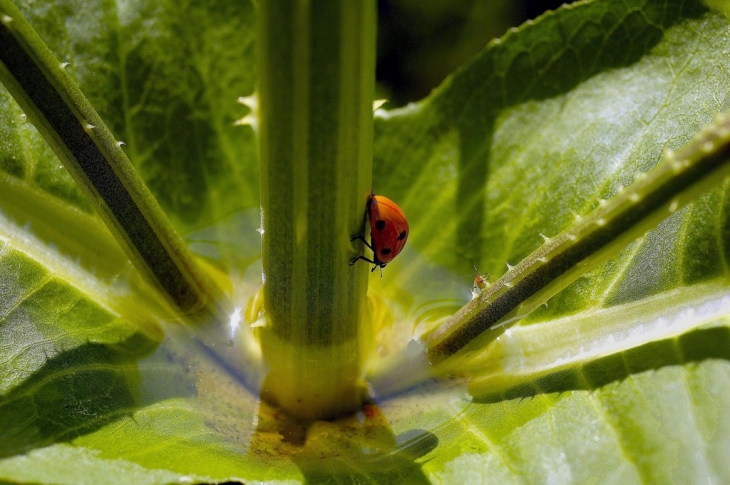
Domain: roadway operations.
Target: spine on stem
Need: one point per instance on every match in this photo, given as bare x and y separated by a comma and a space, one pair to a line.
316, 87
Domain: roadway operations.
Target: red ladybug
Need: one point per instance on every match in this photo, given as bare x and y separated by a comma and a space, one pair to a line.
388, 231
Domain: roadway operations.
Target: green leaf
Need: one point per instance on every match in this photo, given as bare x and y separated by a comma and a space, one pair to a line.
168, 88
515, 146
93, 157
624, 376
69, 346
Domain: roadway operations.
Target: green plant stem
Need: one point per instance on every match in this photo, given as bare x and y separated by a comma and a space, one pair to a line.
66, 120
316, 88
676, 180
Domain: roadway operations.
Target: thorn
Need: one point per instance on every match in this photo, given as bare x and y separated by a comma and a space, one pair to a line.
120, 143
572, 237
378, 103
6, 19
509, 266
89, 127
601, 222
248, 120
547, 239
251, 119
673, 206
634, 197
602, 202
251, 101
708, 147
543, 259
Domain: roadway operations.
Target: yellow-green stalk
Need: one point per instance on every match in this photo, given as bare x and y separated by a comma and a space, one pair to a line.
316, 87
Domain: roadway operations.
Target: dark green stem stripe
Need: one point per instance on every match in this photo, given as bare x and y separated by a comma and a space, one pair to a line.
90, 153
676, 180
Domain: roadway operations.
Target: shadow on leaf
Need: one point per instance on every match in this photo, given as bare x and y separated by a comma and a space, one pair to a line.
74, 393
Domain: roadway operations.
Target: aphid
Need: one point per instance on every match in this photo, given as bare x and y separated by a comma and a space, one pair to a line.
480, 283
388, 231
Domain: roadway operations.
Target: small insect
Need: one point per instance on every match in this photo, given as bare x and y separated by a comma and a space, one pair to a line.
480, 283
370, 410
388, 231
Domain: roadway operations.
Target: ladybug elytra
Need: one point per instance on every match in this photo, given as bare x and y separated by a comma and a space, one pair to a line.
388, 231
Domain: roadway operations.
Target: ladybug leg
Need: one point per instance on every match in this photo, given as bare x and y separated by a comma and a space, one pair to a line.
365, 242
376, 265
358, 258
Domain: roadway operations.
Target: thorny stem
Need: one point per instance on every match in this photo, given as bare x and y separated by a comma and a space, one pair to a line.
69, 124
676, 180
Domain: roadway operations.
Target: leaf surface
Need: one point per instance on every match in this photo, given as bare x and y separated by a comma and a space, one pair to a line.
623, 376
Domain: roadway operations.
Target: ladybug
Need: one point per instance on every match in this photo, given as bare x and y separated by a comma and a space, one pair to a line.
388, 231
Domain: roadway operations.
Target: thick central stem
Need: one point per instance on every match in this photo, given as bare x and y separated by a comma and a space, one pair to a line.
316, 87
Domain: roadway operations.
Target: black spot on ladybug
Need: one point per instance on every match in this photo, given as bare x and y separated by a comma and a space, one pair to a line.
402, 236
380, 225
385, 251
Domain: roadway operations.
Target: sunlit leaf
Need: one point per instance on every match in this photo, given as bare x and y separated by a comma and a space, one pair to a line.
624, 376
